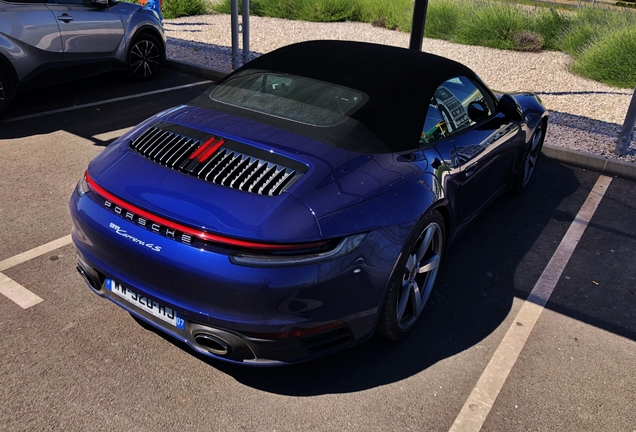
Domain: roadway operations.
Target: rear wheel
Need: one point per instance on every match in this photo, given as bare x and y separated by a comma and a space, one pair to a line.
413, 279
4, 93
145, 57
531, 158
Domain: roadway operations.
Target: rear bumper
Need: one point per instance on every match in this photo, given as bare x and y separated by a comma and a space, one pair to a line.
228, 345
247, 315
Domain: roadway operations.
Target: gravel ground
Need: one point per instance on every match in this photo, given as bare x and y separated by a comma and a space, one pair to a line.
585, 115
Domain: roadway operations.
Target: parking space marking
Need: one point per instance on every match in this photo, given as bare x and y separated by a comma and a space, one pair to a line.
103, 102
481, 399
35, 252
13, 290
17, 293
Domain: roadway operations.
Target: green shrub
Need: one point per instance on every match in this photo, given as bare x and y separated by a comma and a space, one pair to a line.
180, 8
584, 33
492, 24
391, 14
551, 24
587, 25
443, 19
611, 59
577, 38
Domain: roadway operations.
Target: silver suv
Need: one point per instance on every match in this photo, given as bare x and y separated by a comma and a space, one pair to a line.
45, 42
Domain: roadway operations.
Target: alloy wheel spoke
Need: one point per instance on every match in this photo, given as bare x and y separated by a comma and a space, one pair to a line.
418, 278
410, 263
536, 139
430, 264
137, 51
405, 292
136, 65
416, 299
426, 242
528, 173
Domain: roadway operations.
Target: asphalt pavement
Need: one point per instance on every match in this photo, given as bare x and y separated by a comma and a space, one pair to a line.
77, 362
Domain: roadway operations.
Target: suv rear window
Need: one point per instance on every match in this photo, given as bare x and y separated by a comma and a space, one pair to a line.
290, 97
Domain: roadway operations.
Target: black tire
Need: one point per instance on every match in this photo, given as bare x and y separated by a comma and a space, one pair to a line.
530, 159
5, 94
145, 57
417, 267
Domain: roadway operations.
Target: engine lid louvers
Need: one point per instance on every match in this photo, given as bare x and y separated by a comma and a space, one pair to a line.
217, 160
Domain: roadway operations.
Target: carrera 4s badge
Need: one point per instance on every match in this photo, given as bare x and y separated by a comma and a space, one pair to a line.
124, 234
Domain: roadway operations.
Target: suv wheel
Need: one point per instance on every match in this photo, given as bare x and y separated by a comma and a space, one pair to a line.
145, 57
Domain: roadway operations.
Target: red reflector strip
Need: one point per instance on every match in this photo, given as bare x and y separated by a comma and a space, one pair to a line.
227, 241
296, 332
207, 149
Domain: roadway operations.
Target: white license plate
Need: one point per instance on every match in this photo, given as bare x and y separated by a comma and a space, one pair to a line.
158, 310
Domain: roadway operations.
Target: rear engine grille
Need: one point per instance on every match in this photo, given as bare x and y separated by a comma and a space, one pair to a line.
217, 160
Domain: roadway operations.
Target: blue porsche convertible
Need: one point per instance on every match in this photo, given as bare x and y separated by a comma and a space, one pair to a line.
303, 203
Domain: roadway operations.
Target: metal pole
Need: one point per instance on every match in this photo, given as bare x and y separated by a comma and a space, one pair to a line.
235, 34
627, 133
417, 28
246, 31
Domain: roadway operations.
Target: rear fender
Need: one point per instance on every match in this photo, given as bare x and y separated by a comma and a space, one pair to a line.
401, 206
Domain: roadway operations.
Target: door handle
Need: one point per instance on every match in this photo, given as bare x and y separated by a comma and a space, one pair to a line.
470, 170
65, 17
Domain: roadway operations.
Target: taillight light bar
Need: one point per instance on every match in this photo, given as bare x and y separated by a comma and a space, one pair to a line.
202, 235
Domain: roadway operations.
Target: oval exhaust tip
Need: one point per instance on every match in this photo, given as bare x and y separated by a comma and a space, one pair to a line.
87, 278
213, 344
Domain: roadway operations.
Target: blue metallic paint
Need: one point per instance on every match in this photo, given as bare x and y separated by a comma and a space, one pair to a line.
342, 193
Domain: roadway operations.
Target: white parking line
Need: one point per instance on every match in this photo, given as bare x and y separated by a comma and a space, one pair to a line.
481, 399
13, 290
35, 252
17, 293
107, 101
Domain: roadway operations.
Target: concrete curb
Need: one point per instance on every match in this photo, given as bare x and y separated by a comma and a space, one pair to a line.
603, 165
212, 74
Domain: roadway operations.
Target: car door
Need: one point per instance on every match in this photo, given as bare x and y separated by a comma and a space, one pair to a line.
90, 31
483, 145
30, 39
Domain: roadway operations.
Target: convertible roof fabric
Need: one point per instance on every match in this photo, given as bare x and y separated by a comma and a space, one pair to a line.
399, 84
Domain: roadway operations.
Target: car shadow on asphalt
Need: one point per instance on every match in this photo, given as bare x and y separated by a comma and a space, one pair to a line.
93, 120
500, 257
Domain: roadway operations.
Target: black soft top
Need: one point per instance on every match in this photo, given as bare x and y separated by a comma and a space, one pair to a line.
398, 82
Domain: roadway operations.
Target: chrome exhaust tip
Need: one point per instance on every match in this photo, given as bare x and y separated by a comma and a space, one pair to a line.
213, 344
89, 280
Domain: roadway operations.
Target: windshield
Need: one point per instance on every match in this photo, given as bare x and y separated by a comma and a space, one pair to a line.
290, 97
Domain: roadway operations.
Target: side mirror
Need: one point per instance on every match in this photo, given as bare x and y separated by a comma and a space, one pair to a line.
510, 107
477, 111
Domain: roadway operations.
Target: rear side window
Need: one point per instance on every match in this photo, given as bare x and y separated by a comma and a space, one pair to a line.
289, 97
450, 109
